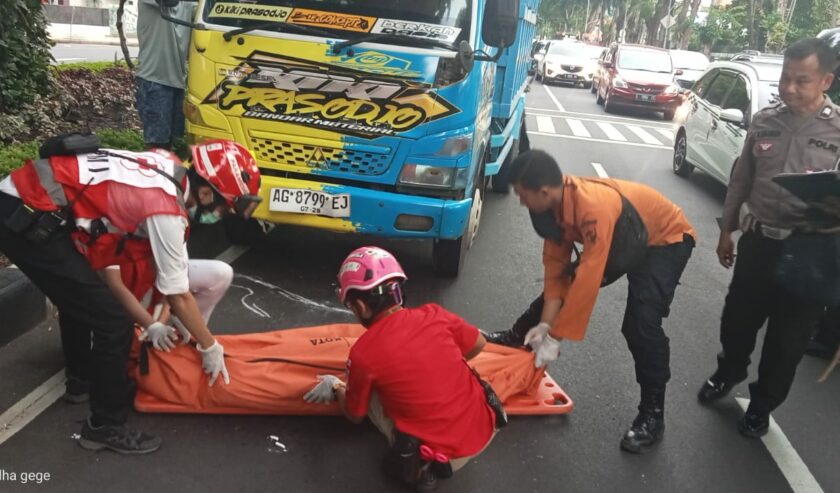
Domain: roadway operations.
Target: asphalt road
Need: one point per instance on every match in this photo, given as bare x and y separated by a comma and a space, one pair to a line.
701, 451
71, 53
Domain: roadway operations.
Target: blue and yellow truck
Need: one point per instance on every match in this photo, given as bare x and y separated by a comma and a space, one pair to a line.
384, 117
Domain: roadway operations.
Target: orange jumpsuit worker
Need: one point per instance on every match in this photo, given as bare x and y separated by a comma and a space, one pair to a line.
625, 228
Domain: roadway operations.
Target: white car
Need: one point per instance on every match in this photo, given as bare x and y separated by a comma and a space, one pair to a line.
720, 107
688, 67
569, 62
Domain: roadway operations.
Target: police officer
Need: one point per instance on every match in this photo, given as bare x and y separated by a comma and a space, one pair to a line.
799, 135
132, 195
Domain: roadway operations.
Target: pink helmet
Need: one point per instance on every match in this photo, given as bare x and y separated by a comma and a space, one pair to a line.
365, 268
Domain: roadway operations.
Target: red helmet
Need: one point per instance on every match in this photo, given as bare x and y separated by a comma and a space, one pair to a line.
231, 171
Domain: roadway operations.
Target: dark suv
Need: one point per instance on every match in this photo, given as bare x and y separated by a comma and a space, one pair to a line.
638, 76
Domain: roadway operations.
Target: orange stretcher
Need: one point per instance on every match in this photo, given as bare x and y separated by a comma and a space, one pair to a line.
270, 372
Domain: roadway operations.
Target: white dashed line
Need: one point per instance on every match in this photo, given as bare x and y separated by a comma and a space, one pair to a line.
611, 131
640, 133
577, 128
600, 171
667, 133
544, 124
556, 103
794, 470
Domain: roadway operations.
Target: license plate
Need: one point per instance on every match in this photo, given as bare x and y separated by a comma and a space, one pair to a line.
302, 201
646, 98
568, 76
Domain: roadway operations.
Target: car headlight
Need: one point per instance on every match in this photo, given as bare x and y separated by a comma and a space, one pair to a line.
619, 82
432, 176
672, 89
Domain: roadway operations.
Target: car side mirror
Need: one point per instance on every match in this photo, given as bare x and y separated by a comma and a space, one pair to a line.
679, 71
501, 18
732, 115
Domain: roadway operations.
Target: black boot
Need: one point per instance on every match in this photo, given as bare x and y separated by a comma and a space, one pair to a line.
515, 337
649, 426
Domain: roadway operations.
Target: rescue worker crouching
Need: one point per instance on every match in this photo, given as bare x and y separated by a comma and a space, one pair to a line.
625, 228
409, 374
111, 195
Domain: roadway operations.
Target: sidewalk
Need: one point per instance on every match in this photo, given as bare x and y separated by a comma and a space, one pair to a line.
77, 33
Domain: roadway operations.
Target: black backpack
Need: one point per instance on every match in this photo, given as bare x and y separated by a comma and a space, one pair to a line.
629, 241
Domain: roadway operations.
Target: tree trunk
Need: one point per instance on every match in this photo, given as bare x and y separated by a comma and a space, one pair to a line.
685, 36
123, 44
652, 23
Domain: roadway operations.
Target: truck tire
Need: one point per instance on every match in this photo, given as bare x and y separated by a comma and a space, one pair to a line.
448, 255
243, 232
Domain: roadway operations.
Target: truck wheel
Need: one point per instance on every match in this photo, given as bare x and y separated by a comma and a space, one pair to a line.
448, 255
242, 232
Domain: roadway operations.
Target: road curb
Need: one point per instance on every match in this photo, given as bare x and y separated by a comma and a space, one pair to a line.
22, 305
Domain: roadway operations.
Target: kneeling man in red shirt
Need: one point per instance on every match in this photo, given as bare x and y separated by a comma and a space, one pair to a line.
409, 374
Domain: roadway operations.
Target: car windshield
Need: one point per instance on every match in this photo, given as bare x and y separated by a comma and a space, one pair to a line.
646, 60
442, 20
565, 49
689, 60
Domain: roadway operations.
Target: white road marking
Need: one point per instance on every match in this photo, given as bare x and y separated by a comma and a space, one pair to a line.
28, 408
578, 128
545, 124
572, 137
611, 131
793, 468
640, 133
601, 116
292, 296
669, 134
600, 171
232, 253
556, 103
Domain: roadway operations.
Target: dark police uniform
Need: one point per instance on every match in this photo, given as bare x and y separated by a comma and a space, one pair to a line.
778, 141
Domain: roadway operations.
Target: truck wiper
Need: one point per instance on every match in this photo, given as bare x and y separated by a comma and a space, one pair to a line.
280, 26
394, 38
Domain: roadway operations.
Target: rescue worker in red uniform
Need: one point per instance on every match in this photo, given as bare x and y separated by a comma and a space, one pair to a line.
117, 205
409, 374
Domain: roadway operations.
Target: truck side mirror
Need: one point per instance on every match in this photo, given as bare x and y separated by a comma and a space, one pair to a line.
501, 18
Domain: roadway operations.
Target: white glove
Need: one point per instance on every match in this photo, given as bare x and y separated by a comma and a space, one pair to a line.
160, 335
213, 362
182, 331
324, 392
536, 334
548, 351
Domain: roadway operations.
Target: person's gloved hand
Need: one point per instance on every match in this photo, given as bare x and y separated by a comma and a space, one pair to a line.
548, 351
323, 393
213, 362
182, 331
536, 334
160, 335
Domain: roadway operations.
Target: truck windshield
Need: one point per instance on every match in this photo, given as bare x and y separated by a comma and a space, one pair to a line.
447, 21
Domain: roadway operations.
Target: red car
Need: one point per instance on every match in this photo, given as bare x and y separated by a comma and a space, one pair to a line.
638, 76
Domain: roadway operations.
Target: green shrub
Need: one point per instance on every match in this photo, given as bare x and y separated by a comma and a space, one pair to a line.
95, 67
24, 54
14, 155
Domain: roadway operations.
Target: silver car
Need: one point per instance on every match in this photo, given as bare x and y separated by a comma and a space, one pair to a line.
719, 109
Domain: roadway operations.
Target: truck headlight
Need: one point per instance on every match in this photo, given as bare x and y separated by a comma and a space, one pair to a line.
433, 176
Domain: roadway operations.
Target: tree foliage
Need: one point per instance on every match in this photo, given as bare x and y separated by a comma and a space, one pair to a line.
24, 53
756, 24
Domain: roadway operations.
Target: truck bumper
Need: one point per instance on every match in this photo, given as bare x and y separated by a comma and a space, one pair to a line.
373, 212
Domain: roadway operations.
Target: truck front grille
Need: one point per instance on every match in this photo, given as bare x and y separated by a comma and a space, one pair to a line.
326, 158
